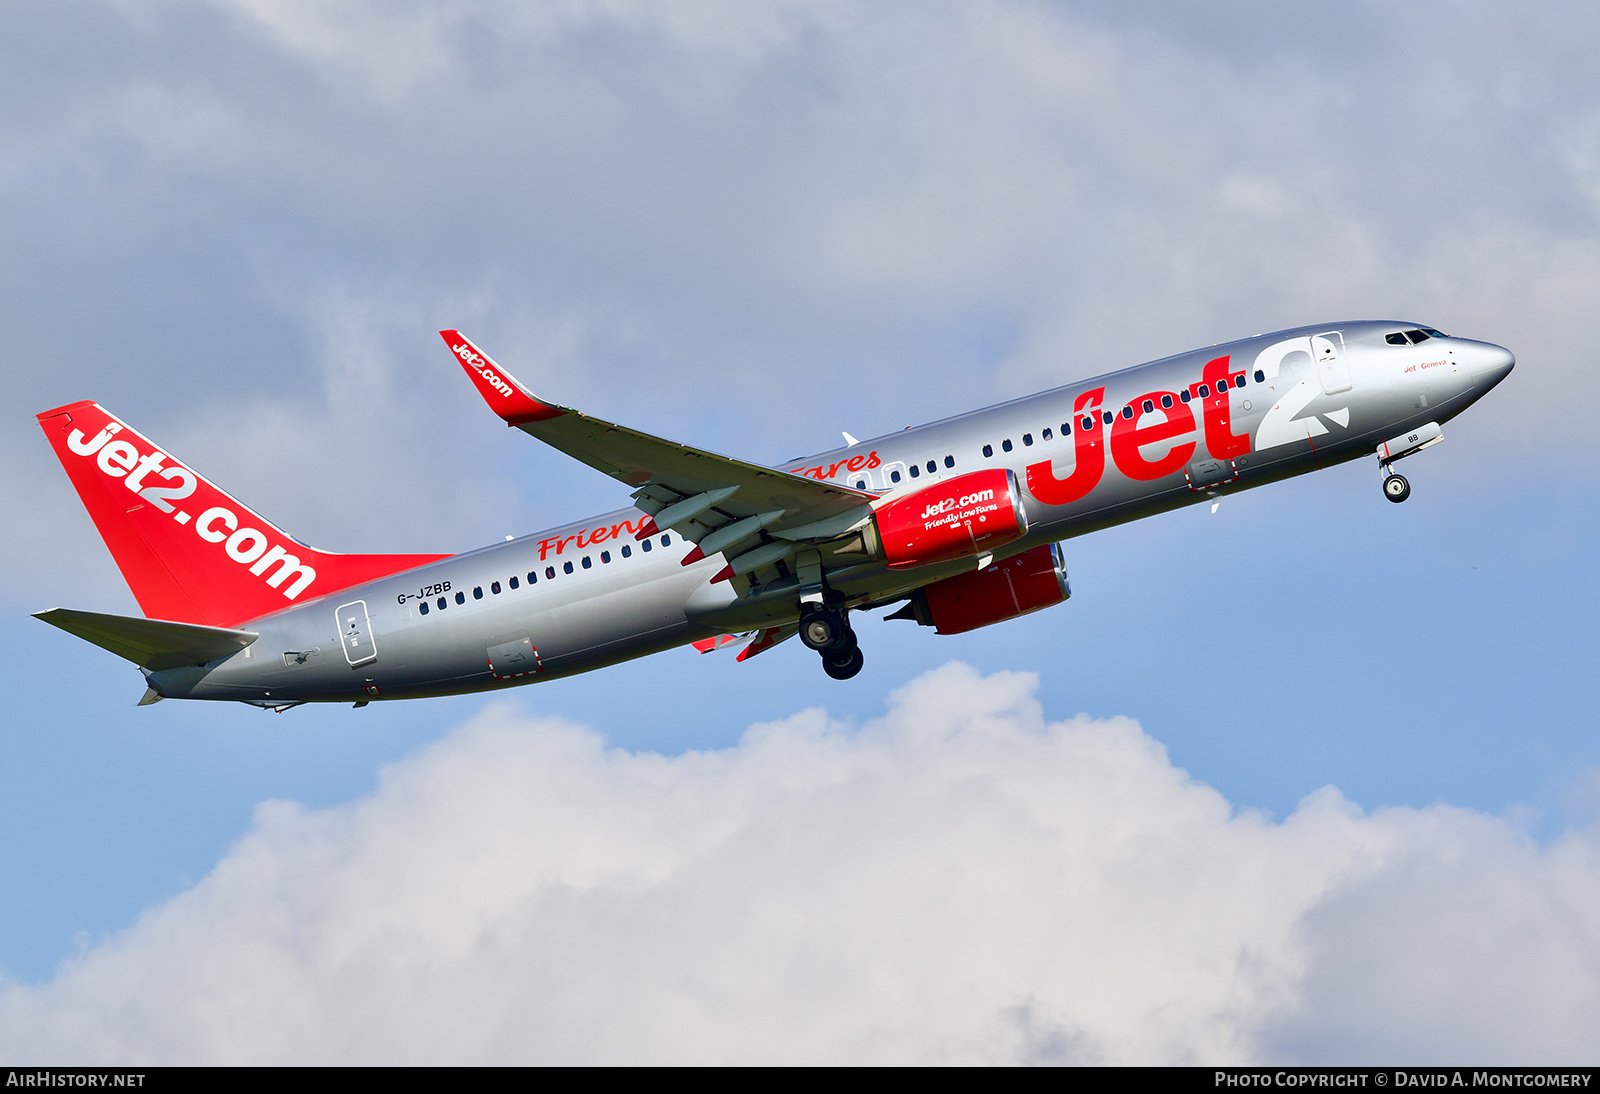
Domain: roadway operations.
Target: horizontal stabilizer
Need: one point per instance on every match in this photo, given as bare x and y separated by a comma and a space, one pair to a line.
150, 643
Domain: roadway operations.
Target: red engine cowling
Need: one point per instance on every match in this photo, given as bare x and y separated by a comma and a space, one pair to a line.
1037, 578
957, 518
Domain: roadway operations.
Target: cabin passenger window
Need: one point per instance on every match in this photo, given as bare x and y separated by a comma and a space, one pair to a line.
949, 461
588, 563
1184, 395
1005, 445
423, 607
894, 476
666, 541
461, 598
495, 586
647, 544
1027, 440
860, 484
1046, 435
933, 466
477, 593
1261, 377
1222, 384
1204, 391
566, 567
627, 550
915, 470
442, 603
605, 556
1127, 412
1107, 417
1166, 401
1149, 405
988, 450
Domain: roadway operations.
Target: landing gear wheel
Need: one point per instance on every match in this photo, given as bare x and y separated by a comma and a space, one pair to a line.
822, 629
1396, 488
846, 667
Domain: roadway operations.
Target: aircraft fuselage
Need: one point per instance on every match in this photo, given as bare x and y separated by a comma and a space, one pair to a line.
1091, 454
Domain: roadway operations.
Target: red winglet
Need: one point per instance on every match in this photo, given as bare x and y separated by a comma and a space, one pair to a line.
647, 529
724, 574
505, 396
693, 556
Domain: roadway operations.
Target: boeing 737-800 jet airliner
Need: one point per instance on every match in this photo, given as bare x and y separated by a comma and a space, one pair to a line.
958, 521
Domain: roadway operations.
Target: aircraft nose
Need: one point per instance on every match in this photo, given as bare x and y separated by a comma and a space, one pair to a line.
1489, 363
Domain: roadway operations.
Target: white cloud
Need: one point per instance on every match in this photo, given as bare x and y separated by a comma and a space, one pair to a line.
957, 881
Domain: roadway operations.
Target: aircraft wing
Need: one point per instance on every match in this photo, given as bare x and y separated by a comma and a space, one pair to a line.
769, 638
762, 640
721, 503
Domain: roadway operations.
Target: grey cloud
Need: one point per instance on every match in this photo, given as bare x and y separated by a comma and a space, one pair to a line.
684, 217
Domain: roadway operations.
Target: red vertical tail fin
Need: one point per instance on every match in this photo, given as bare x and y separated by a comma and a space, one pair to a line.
189, 552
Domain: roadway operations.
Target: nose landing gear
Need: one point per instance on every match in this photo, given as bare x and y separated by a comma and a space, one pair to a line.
1396, 488
828, 631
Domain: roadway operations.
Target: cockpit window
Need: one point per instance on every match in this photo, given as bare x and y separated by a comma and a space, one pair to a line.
1417, 335
1430, 332
1396, 339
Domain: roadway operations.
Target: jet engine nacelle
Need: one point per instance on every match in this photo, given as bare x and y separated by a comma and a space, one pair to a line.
1037, 578
957, 518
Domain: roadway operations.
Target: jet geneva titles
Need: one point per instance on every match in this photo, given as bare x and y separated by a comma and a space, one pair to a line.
957, 521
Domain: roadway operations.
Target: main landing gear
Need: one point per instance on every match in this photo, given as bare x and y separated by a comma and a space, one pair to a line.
828, 631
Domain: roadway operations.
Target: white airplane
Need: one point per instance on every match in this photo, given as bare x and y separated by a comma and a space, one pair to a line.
958, 521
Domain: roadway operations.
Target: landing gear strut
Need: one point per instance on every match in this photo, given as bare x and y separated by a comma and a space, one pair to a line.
828, 631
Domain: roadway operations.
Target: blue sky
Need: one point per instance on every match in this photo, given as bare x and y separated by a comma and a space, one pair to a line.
238, 224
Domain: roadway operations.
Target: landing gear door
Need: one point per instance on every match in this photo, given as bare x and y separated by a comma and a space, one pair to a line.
1333, 367
355, 633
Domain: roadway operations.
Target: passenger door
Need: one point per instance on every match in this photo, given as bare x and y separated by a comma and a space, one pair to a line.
1332, 368
355, 633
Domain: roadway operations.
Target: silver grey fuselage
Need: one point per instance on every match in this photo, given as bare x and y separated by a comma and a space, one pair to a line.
612, 607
